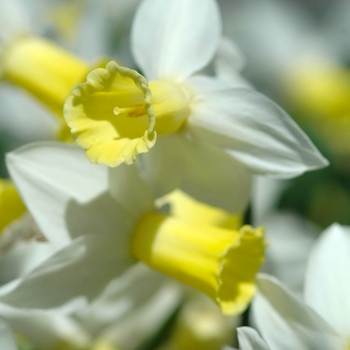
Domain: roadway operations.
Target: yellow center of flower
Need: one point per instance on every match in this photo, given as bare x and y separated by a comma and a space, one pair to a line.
116, 114
218, 262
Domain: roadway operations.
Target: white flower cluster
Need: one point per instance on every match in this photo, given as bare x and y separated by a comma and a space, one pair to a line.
130, 226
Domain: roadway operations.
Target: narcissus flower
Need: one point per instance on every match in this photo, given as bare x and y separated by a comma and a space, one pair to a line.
123, 225
211, 131
217, 133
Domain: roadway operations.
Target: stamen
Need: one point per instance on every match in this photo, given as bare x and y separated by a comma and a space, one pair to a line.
116, 110
134, 111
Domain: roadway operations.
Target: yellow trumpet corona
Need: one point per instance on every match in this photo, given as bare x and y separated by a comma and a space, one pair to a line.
219, 262
43, 69
117, 114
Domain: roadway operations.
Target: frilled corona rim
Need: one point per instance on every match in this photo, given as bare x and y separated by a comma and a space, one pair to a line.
111, 115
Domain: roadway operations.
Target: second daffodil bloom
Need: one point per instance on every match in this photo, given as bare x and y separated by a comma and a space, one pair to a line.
121, 218
210, 130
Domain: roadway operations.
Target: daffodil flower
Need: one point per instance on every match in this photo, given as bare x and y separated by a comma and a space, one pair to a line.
72, 326
105, 226
210, 131
321, 320
217, 133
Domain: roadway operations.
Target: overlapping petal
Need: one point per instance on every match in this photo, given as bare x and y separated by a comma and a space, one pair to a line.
45, 328
255, 131
52, 176
130, 315
287, 323
205, 172
131, 191
22, 258
168, 43
69, 273
249, 339
228, 63
327, 282
69, 196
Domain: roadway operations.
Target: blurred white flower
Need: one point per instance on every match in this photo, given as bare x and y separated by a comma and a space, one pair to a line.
321, 322
272, 34
201, 325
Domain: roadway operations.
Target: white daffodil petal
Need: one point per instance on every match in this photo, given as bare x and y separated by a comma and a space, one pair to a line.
249, 339
255, 131
7, 340
287, 323
327, 286
23, 258
51, 177
213, 177
175, 38
155, 165
123, 299
228, 63
205, 84
45, 328
207, 173
230, 55
139, 314
131, 191
290, 240
68, 274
